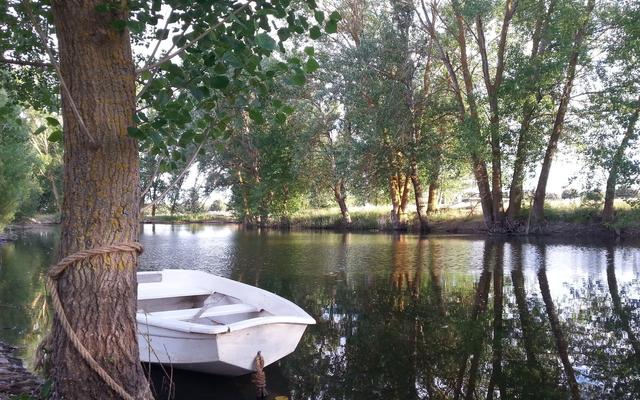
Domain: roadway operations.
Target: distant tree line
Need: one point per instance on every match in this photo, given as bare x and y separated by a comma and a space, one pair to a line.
406, 98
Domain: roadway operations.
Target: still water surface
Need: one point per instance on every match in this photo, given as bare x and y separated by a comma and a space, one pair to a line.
399, 317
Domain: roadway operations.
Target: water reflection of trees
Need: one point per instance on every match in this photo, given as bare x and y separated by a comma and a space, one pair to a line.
409, 335
24, 315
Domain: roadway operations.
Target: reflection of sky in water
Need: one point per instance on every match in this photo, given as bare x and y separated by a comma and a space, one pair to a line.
215, 249
187, 246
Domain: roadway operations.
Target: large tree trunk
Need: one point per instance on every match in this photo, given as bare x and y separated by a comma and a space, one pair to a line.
56, 195
100, 205
537, 213
516, 193
419, 195
341, 199
610, 193
484, 190
399, 192
432, 201
153, 198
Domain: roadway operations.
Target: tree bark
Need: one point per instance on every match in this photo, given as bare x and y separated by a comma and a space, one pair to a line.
56, 195
100, 205
484, 190
153, 199
537, 213
341, 199
419, 195
610, 193
432, 202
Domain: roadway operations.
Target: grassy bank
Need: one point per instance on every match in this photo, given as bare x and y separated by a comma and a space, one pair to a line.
199, 218
563, 217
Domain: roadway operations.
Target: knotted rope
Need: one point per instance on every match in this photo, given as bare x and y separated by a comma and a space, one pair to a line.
260, 379
52, 278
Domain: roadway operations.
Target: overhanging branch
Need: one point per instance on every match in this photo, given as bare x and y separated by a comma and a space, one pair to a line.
25, 62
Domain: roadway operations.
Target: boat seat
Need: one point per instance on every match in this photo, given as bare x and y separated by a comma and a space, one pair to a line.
210, 312
164, 292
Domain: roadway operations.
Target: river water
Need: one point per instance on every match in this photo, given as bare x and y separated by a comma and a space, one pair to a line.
399, 316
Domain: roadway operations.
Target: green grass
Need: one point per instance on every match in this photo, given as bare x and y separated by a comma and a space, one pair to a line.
378, 217
369, 218
190, 218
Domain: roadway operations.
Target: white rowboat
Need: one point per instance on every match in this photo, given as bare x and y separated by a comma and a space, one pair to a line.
201, 322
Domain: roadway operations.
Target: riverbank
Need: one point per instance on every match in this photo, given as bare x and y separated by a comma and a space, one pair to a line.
563, 219
16, 382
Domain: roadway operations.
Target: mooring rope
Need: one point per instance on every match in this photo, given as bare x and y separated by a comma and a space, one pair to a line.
260, 379
52, 278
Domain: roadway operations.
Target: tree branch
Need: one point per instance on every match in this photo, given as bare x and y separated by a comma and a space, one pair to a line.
153, 178
23, 62
175, 181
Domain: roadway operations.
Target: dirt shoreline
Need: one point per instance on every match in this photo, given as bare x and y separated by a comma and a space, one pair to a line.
455, 226
474, 226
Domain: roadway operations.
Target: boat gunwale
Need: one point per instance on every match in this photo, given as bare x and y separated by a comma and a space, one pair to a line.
192, 327
303, 318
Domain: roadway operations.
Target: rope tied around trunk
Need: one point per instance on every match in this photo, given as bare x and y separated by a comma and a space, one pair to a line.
260, 379
52, 278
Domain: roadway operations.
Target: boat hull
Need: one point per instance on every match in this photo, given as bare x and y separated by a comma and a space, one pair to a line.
230, 353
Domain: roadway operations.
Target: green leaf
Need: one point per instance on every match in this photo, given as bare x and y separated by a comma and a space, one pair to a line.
219, 82
256, 116
39, 130
136, 26
309, 50
52, 121
288, 110
281, 118
335, 16
284, 34
314, 32
319, 15
199, 92
56, 136
135, 133
298, 78
331, 26
311, 65
265, 41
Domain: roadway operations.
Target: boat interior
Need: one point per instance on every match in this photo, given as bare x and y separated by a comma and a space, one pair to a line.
194, 305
